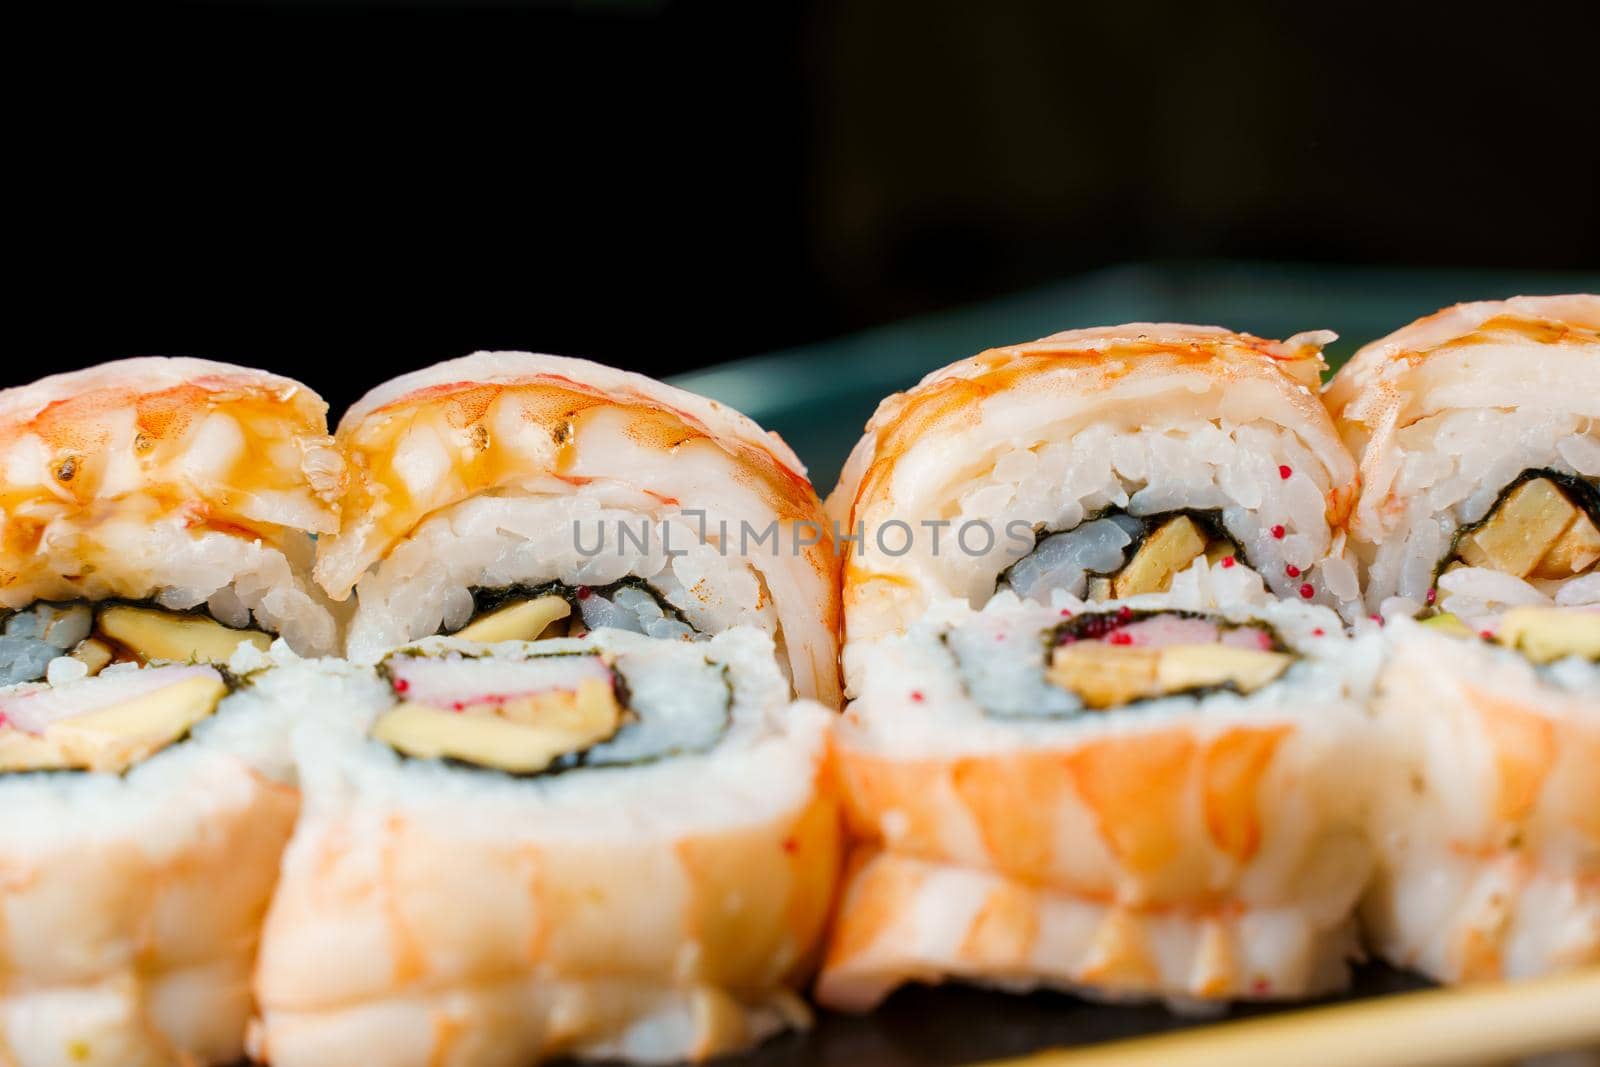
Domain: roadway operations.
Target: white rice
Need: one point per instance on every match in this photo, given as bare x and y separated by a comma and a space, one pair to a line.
755, 767
1323, 690
242, 583
426, 583
1451, 468
252, 728
278, 691
1200, 465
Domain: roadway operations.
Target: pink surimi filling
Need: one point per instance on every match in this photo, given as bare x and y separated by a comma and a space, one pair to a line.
34, 709
1247, 637
461, 683
1166, 631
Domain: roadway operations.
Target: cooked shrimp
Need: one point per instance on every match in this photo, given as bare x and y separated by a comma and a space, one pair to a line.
179, 480
506, 953
1202, 860
1488, 822
130, 908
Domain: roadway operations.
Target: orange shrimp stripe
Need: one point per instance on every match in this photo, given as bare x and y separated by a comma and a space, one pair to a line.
79, 436
1135, 788
556, 406
952, 400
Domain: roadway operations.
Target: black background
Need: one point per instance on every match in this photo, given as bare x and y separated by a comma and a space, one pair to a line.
345, 191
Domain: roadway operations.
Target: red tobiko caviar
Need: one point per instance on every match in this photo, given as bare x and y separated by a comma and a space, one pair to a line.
1120, 638
1292, 571
916, 696
1377, 619
584, 592
400, 686
1089, 628
1487, 635
1307, 591
1227, 561
1125, 612
1319, 632
1433, 594
1278, 532
1066, 613
1284, 470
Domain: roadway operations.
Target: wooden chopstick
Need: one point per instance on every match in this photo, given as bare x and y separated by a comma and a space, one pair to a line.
1433, 1028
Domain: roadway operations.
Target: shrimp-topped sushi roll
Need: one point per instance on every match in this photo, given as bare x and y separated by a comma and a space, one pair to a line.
157, 537
613, 846
1131, 802
1103, 463
1478, 432
512, 496
149, 501
1101, 731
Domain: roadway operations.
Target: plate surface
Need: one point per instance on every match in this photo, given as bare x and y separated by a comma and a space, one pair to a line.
922, 1026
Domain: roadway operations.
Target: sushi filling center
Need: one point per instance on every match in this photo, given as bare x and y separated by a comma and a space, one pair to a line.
1543, 635
1545, 526
1116, 555
63, 643
111, 722
547, 713
1106, 660
1111, 659
528, 613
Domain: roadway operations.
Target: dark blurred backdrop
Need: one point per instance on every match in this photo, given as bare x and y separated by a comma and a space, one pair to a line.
345, 190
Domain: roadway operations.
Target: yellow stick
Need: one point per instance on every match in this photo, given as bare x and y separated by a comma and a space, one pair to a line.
1435, 1027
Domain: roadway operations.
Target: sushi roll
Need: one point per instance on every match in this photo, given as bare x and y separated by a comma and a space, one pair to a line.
1132, 801
1478, 527
132, 891
1104, 463
1120, 755
1478, 435
157, 540
512, 496
1487, 815
614, 846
